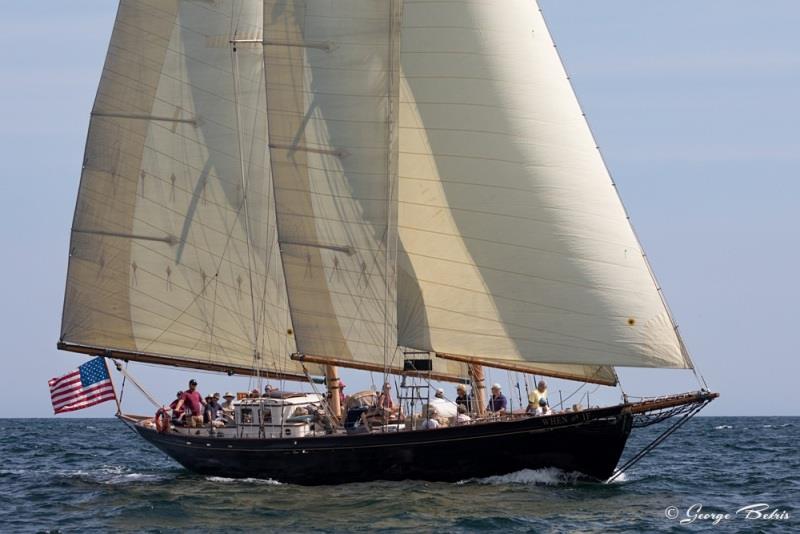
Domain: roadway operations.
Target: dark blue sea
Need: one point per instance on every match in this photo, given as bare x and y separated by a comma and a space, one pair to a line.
96, 475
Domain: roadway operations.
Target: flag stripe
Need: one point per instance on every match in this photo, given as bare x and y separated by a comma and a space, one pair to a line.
54, 381
83, 398
65, 386
87, 404
67, 397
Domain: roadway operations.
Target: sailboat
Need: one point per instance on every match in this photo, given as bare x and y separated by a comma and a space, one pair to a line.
283, 188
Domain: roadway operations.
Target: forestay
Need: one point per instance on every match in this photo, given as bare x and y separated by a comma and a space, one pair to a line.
173, 250
515, 245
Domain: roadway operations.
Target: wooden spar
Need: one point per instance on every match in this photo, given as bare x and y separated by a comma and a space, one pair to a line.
113, 386
376, 368
522, 368
478, 387
159, 359
334, 387
670, 401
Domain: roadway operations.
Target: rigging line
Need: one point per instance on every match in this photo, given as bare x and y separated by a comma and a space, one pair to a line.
391, 135
235, 73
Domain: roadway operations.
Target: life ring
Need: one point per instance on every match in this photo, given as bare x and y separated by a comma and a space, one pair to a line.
162, 420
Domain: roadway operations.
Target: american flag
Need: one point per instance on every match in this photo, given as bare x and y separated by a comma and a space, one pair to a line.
86, 386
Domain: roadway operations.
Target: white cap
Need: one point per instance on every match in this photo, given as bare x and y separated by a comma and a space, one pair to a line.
228, 394
439, 391
496, 386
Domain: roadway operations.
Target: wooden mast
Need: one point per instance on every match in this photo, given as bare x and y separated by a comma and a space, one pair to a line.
478, 387
334, 388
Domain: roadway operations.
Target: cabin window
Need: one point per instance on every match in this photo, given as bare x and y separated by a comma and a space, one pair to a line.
247, 416
267, 417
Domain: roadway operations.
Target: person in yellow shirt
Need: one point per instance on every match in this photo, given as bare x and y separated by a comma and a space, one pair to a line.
538, 394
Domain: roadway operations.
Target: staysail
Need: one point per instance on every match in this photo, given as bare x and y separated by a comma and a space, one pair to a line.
173, 255
515, 245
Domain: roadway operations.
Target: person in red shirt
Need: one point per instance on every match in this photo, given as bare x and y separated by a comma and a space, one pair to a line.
193, 402
177, 415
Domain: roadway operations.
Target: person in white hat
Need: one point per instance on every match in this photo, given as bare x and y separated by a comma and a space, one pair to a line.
498, 403
227, 407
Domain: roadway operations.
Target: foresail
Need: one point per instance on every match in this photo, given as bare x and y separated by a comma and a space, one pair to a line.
174, 252
331, 78
514, 244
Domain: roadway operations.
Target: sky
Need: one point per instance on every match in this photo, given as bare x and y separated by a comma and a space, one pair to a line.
694, 104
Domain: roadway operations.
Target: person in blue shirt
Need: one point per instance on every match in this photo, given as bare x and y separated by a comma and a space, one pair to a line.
498, 403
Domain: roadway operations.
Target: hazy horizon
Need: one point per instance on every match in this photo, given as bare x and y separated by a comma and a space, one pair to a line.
694, 106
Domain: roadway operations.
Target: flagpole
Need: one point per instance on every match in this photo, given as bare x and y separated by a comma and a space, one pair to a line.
116, 398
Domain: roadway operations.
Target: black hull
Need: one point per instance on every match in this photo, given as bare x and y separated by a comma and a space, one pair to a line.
589, 442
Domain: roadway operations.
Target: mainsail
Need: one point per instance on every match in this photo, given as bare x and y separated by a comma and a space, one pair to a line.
515, 245
174, 256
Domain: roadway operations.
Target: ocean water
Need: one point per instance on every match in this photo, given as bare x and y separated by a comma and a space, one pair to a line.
96, 475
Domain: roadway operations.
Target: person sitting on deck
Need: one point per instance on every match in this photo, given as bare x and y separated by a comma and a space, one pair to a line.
268, 390
254, 394
430, 421
194, 403
543, 408
177, 415
498, 403
227, 407
214, 410
462, 399
537, 394
461, 417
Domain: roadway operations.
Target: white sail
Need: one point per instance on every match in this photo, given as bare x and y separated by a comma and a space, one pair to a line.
174, 250
515, 245
331, 77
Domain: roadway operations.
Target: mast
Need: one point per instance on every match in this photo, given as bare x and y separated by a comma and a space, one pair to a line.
334, 387
478, 387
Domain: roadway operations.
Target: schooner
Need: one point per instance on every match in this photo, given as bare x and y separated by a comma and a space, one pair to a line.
279, 188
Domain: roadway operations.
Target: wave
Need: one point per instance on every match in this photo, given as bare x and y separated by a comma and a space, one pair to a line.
548, 476
723, 427
112, 475
263, 481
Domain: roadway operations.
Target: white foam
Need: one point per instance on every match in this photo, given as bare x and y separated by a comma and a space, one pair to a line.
623, 477
549, 476
111, 474
723, 427
263, 481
